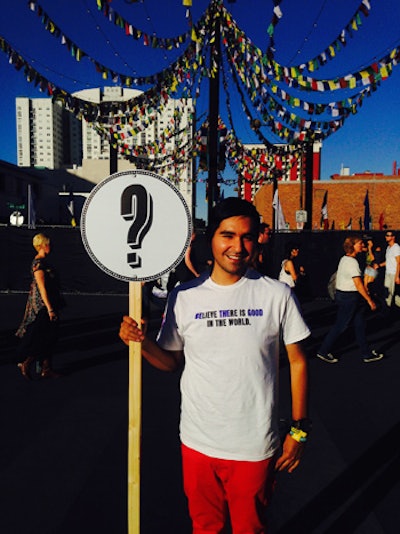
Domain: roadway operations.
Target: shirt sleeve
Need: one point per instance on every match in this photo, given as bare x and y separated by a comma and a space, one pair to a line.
355, 268
169, 337
294, 327
38, 265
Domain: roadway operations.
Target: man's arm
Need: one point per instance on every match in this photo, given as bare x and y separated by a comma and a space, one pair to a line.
397, 278
293, 449
165, 360
363, 292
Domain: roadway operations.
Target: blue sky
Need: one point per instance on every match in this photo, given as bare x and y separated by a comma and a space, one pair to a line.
369, 140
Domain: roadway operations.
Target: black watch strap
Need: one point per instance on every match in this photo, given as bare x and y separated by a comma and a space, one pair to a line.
303, 424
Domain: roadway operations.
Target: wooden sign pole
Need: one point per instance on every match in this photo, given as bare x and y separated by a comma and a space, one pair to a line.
148, 202
135, 409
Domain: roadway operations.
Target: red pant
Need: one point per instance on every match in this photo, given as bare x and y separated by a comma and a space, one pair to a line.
214, 487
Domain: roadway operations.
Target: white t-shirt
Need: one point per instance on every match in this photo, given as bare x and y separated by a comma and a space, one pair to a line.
391, 253
230, 336
348, 269
286, 277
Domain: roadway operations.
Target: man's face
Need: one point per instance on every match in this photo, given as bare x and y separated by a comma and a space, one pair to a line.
389, 236
233, 246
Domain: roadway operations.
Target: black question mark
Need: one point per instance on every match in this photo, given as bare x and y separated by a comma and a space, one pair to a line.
136, 206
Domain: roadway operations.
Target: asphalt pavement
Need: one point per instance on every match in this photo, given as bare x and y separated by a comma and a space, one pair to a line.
63, 461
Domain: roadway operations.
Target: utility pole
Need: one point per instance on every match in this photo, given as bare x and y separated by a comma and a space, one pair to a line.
113, 159
308, 156
274, 189
193, 166
215, 58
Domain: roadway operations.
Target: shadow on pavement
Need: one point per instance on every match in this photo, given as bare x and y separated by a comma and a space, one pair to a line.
63, 452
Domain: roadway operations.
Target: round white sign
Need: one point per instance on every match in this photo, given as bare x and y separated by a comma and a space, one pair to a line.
136, 225
16, 218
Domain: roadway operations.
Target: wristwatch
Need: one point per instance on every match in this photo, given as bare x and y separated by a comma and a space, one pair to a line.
305, 425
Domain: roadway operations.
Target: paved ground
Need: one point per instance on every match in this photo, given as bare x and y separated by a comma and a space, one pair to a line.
64, 442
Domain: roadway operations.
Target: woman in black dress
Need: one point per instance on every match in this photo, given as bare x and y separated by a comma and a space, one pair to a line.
39, 328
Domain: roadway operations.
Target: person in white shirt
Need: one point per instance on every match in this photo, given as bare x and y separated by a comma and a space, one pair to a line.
392, 272
350, 298
288, 273
226, 327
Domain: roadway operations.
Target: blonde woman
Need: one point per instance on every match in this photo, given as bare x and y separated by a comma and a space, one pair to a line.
38, 330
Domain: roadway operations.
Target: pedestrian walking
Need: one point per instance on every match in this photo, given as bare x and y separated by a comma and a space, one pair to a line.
263, 262
392, 271
38, 331
350, 297
372, 256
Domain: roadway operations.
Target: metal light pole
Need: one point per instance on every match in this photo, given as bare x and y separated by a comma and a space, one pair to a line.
215, 58
309, 152
113, 159
274, 189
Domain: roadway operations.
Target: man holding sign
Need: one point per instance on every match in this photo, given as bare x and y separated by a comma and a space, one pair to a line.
226, 327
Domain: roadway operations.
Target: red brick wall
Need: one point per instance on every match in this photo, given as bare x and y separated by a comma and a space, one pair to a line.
345, 200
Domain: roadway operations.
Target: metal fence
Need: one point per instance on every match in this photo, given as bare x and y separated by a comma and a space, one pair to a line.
319, 253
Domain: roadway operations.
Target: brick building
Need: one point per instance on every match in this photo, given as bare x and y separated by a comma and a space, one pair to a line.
293, 173
345, 200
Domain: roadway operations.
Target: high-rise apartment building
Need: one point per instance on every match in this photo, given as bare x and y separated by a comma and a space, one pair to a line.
176, 117
94, 146
40, 141
48, 136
